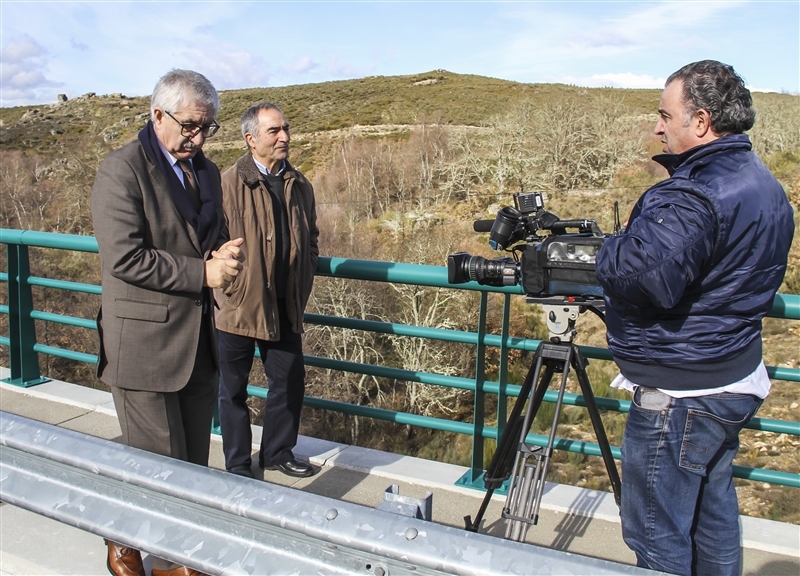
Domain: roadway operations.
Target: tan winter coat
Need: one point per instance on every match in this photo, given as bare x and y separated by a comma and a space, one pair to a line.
248, 306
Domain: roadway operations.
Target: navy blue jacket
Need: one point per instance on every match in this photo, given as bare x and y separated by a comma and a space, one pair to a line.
688, 282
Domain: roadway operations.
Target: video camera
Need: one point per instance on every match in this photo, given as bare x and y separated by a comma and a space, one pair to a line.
556, 263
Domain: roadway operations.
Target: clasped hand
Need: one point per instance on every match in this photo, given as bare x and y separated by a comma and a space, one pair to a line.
224, 264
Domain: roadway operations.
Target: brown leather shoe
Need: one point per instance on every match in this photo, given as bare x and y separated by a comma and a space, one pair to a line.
179, 571
124, 561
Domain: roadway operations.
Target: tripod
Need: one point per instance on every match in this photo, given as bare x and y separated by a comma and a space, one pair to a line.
524, 464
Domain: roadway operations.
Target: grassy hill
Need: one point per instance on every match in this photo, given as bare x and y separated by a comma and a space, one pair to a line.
440, 96
104, 122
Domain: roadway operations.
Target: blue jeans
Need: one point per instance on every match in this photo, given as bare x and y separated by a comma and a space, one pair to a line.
679, 510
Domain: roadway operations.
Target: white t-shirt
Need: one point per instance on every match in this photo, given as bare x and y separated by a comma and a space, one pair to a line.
757, 384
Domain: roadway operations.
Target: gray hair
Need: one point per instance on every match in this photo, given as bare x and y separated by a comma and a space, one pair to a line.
718, 89
180, 88
250, 117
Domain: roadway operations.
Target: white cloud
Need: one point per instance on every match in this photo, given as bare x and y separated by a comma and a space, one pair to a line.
227, 66
339, 69
621, 80
587, 35
23, 64
78, 45
300, 66
646, 25
653, 21
17, 51
16, 77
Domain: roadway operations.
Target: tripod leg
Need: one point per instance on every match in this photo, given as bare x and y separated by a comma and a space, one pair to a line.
502, 461
527, 481
548, 452
522, 478
579, 363
500, 466
517, 529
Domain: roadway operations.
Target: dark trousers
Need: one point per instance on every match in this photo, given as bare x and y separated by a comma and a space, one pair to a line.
285, 371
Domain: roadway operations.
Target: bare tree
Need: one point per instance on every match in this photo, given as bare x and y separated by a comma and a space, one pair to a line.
431, 308
777, 127
556, 146
27, 192
345, 299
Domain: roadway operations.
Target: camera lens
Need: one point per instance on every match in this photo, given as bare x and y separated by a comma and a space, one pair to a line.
497, 272
463, 267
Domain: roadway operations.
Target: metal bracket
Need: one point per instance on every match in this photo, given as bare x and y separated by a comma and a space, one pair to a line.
421, 508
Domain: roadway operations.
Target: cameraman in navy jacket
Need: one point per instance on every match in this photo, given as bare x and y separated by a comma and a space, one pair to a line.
686, 287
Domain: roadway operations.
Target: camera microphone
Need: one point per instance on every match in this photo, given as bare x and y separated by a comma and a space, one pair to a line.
482, 225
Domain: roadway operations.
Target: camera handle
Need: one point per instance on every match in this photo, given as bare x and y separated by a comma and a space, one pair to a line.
526, 466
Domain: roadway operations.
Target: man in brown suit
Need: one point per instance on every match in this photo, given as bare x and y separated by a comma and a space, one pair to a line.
157, 214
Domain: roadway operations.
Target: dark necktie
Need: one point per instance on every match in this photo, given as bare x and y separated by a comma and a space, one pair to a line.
190, 183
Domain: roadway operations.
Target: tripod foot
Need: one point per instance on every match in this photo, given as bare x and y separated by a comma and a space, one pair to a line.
468, 525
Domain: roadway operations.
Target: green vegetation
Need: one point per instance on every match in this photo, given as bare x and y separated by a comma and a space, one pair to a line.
437, 96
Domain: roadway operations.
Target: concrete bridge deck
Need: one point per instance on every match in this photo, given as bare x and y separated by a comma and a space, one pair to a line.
580, 521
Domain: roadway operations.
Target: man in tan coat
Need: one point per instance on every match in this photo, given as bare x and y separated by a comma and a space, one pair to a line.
271, 205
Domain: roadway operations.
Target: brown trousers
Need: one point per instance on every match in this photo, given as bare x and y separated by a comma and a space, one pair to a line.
175, 424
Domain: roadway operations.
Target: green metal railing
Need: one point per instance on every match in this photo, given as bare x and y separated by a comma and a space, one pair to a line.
24, 348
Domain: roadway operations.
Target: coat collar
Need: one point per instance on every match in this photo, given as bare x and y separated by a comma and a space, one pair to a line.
250, 175
205, 223
674, 161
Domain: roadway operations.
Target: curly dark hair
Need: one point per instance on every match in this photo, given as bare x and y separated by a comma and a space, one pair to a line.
718, 89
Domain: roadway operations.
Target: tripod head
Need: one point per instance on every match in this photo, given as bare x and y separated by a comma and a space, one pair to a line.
562, 313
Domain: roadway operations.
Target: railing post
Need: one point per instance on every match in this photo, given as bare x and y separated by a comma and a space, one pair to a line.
21, 329
216, 427
502, 396
476, 468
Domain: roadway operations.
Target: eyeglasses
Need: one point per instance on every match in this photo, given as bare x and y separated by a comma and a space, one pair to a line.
190, 130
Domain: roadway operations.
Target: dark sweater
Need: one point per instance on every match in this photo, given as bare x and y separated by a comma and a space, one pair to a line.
282, 241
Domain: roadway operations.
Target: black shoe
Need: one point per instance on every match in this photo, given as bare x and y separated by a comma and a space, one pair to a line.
293, 467
242, 470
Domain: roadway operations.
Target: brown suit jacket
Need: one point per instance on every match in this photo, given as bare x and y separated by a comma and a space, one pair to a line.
152, 270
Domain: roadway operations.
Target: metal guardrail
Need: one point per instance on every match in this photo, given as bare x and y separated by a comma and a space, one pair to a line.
219, 523
25, 368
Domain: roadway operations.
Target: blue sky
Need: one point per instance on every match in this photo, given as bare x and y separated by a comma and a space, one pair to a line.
106, 47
